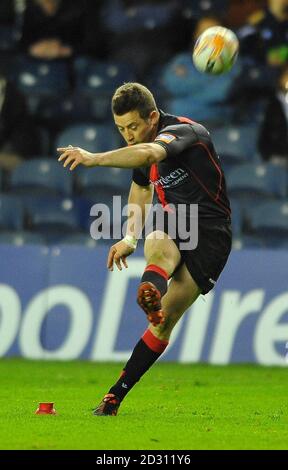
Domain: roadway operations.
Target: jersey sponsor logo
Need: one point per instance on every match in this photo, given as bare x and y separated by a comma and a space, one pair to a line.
166, 138
173, 179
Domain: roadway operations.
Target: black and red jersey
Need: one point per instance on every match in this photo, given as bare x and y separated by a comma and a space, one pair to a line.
191, 173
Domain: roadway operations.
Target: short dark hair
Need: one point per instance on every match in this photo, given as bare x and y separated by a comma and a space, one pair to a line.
133, 96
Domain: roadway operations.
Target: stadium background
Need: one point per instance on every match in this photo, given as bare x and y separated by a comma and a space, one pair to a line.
57, 300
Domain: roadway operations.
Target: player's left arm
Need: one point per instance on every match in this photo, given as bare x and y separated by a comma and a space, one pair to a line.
140, 155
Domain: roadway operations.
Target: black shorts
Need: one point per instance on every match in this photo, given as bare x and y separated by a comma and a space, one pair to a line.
205, 262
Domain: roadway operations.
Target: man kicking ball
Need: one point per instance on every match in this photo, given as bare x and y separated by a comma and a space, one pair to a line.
175, 156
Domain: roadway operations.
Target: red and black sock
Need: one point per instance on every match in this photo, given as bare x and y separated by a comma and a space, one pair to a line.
157, 276
145, 353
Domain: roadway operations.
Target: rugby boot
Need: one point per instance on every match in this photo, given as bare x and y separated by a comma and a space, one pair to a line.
108, 406
149, 299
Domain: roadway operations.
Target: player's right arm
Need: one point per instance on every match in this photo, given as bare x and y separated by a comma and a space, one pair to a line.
139, 203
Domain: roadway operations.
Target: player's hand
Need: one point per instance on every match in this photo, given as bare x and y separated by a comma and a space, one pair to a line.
118, 254
76, 156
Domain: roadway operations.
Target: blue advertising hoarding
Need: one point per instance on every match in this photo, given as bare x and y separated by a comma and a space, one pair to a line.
62, 303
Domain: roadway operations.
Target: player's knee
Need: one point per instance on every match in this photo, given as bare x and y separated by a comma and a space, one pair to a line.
158, 252
162, 259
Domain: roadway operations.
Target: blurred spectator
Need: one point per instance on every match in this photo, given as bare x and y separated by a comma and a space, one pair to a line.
95, 43
264, 39
204, 23
198, 95
11, 19
7, 12
11, 12
263, 53
53, 29
142, 32
18, 136
179, 68
273, 137
238, 11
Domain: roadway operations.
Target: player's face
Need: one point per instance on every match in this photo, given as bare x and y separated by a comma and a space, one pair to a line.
283, 81
136, 130
279, 6
49, 6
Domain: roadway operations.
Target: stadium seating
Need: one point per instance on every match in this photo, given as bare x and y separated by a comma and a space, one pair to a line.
39, 78
41, 176
103, 179
57, 112
21, 238
257, 181
202, 8
53, 218
117, 19
97, 81
236, 216
193, 108
90, 136
45, 141
153, 80
270, 218
255, 79
76, 218
194, 94
11, 213
276, 242
181, 78
80, 239
252, 112
236, 144
247, 242
7, 38
94, 76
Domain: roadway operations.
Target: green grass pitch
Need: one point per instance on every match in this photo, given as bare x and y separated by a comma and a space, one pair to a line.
173, 407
